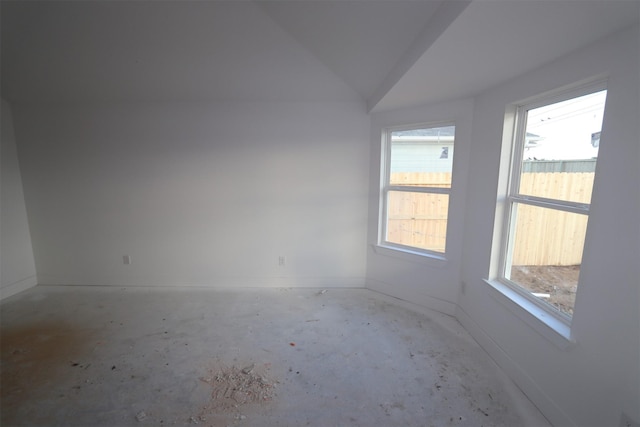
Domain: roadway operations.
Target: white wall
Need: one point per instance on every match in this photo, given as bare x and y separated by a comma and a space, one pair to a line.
197, 194
428, 282
212, 195
17, 268
593, 381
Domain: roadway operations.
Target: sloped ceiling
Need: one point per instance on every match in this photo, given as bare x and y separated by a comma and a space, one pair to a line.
359, 41
387, 53
493, 41
86, 51
96, 51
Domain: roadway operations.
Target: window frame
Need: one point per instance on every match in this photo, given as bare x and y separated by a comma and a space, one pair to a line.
512, 198
386, 187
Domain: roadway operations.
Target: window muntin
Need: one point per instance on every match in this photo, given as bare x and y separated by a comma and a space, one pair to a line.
554, 155
418, 168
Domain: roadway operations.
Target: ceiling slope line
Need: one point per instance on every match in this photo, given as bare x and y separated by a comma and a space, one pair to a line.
444, 16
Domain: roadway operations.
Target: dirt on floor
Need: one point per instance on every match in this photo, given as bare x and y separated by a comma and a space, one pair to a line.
558, 282
233, 388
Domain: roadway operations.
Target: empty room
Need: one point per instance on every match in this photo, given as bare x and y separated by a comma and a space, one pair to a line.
320, 213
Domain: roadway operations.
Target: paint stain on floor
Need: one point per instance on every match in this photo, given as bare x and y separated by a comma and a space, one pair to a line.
34, 357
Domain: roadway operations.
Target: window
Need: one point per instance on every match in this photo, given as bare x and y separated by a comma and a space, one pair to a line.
553, 159
417, 167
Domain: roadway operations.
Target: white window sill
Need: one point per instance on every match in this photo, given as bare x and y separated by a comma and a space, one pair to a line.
545, 323
406, 254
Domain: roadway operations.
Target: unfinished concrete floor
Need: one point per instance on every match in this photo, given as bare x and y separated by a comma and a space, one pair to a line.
89, 356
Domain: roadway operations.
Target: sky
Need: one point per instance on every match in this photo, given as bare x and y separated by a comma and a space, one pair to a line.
566, 127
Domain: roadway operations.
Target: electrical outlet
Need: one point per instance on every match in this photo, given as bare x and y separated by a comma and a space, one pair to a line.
282, 260
126, 259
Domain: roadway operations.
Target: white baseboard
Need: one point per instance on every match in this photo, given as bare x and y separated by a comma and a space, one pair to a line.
16, 287
523, 381
422, 300
213, 283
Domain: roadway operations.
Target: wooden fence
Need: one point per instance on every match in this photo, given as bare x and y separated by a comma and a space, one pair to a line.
420, 220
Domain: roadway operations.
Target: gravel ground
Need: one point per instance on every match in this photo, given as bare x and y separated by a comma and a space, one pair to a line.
560, 282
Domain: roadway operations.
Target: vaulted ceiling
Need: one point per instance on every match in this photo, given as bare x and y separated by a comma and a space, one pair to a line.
386, 53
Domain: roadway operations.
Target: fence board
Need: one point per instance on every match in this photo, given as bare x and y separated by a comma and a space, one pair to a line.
422, 179
420, 220
575, 187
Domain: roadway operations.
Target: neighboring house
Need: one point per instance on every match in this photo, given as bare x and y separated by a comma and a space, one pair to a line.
423, 150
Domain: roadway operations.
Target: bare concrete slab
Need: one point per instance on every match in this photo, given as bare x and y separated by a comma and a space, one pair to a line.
87, 356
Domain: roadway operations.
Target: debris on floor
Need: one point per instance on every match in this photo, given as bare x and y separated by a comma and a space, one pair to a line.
353, 366
233, 387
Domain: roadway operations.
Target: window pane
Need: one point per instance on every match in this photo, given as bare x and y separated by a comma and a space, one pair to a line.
561, 148
422, 157
417, 219
547, 253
